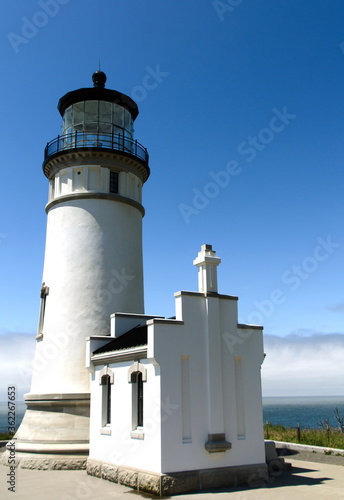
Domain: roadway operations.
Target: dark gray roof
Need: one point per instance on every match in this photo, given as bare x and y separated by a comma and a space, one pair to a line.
98, 93
133, 338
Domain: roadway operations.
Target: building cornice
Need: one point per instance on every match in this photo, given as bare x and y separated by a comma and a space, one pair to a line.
249, 327
206, 295
57, 399
97, 196
97, 156
164, 321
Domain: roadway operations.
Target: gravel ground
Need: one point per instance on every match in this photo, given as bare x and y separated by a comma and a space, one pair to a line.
310, 456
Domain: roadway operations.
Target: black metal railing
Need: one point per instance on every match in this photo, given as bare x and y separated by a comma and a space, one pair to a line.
76, 140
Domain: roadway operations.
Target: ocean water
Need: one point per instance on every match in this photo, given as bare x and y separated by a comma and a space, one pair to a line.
306, 411
19, 413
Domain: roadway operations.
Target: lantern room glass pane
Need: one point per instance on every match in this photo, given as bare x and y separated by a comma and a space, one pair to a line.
78, 115
105, 128
117, 117
105, 111
67, 119
127, 121
91, 126
91, 111
98, 117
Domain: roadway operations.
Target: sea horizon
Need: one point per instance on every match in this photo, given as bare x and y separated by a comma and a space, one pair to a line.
337, 396
263, 397
289, 411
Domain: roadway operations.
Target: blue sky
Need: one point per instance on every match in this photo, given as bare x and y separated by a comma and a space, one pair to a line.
245, 129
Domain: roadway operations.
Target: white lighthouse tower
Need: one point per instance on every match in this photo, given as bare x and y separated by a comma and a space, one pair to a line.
92, 265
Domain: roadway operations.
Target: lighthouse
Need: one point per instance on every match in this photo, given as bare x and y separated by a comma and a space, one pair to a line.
164, 405
92, 263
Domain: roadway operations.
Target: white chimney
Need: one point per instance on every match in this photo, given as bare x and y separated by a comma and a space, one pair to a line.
207, 262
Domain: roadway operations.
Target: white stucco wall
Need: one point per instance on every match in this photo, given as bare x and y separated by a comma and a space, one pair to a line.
94, 178
213, 398
120, 448
93, 267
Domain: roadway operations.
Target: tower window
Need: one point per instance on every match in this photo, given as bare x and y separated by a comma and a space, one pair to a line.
114, 182
44, 293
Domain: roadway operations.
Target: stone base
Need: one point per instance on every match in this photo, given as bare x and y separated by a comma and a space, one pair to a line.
176, 483
54, 433
43, 461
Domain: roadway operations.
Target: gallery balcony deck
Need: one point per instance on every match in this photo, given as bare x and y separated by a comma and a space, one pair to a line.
88, 141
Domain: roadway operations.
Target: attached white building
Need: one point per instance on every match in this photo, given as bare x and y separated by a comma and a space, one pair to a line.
176, 404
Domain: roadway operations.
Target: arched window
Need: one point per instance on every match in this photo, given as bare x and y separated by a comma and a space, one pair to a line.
136, 376
106, 379
106, 398
137, 401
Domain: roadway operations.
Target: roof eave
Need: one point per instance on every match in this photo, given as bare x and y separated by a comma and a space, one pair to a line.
120, 355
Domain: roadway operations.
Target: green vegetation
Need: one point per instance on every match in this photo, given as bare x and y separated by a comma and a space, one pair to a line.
5, 436
329, 437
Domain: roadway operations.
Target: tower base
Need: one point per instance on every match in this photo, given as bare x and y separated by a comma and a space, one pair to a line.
54, 433
43, 461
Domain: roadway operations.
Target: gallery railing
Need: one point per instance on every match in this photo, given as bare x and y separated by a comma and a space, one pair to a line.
77, 140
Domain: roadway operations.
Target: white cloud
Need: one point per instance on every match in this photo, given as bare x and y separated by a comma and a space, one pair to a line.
303, 365
17, 353
339, 308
